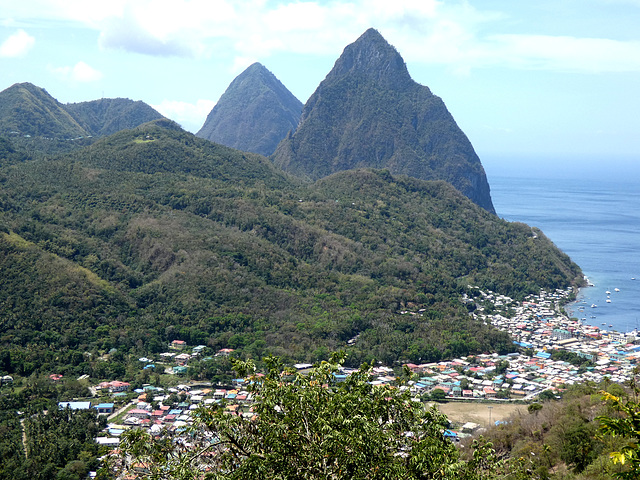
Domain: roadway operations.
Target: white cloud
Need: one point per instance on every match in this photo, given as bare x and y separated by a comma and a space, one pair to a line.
80, 72
457, 33
544, 52
190, 115
17, 45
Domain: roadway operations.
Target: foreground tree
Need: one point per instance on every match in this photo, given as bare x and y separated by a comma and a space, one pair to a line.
304, 426
625, 423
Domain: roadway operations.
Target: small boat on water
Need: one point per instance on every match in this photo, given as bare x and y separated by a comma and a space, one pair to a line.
616, 289
608, 292
593, 305
608, 300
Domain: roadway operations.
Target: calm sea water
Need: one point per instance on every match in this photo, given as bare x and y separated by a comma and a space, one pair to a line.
595, 219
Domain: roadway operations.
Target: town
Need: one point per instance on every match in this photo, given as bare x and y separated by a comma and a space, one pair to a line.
538, 325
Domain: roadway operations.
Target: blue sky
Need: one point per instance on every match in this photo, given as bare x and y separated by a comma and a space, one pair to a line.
525, 80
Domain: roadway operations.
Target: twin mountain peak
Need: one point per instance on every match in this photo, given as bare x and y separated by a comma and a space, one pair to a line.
367, 113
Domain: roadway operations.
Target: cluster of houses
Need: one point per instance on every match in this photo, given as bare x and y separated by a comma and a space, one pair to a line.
538, 325
158, 410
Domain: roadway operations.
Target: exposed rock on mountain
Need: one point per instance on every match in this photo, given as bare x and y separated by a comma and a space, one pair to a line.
368, 112
254, 113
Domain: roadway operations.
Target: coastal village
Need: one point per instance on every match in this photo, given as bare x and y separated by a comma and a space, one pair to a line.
538, 326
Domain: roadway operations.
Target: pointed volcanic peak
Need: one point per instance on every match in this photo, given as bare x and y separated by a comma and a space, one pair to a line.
26, 109
368, 112
254, 113
372, 58
110, 115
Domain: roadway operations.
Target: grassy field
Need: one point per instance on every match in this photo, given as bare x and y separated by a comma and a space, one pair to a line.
481, 413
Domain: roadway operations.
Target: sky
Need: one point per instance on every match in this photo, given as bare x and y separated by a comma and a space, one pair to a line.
527, 81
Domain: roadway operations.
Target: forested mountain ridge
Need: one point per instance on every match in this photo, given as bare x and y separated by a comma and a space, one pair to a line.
153, 234
28, 110
369, 112
254, 113
107, 116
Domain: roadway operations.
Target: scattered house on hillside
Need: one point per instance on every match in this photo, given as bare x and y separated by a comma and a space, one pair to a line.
74, 405
339, 377
108, 441
178, 344
114, 387
470, 427
117, 386
489, 392
448, 434
182, 359
303, 367
104, 408
224, 352
139, 413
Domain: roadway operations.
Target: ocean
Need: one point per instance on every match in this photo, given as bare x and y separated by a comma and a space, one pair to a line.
594, 217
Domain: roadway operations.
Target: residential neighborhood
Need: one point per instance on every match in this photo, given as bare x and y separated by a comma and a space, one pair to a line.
538, 326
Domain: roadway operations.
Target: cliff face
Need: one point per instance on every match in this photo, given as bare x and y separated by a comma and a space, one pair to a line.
368, 112
254, 113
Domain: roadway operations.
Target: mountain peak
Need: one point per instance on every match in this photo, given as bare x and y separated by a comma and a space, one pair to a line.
373, 56
369, 113
254, 113
26, 109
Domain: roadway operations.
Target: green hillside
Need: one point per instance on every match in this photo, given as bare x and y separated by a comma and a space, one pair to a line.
153, 234
35, 120
29, 110
110, 115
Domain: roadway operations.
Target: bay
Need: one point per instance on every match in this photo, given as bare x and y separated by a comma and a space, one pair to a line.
595, 219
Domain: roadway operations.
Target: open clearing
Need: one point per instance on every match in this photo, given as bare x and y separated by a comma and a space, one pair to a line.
462, 412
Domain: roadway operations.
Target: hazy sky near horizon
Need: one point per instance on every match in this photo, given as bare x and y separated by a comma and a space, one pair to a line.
524, 79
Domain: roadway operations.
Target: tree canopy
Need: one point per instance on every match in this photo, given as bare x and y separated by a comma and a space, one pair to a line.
309, 426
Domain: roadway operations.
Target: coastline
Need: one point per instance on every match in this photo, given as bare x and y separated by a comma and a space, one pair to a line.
594, 221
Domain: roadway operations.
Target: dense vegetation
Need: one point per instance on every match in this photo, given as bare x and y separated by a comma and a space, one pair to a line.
27, 110
39, 441
368, 112
314, 426
110, 115
152, 235
306, 427
576, 437
253, 114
